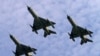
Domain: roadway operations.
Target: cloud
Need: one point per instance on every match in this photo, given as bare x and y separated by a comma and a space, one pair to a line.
15, 19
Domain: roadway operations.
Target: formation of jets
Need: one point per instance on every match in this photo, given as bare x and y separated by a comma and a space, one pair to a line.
41, 23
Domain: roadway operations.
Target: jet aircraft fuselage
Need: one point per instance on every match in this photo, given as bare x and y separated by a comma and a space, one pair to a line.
78, 31
41, 23
22, 49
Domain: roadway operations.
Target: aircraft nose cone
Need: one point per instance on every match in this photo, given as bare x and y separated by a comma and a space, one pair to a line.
28, 7
68, 16
10, 35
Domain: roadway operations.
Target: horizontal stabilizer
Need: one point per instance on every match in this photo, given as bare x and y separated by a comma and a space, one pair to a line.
34, 50
49, 32
85, 40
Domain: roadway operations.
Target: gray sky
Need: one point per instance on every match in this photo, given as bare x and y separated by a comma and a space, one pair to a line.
15, 19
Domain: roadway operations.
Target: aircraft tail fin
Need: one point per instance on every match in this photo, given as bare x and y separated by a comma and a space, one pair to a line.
85, 40
49, 32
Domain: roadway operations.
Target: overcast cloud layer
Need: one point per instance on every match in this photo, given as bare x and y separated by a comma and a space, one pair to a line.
15, 19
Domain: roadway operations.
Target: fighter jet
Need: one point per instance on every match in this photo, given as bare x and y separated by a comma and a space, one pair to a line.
41, 23
22, 49
78, 31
